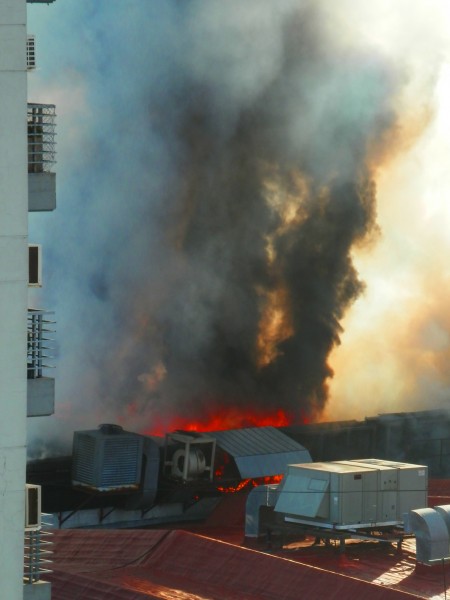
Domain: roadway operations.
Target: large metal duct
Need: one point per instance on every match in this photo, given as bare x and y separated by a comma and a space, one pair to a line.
144, 498
444, 511
432, 536
263, 495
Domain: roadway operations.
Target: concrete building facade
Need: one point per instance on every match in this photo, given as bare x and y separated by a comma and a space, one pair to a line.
13, 292
16, 347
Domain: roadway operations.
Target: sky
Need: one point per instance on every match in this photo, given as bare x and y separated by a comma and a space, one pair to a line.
252, 216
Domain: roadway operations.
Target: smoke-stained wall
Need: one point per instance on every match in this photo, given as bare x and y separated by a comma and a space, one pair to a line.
217, 168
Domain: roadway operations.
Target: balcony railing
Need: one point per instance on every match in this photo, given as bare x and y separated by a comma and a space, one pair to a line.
41, 138
36, 555
40, 350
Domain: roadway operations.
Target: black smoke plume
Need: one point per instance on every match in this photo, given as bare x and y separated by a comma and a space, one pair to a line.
209, 123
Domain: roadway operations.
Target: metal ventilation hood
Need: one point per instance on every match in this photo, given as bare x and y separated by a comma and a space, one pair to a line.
260, 451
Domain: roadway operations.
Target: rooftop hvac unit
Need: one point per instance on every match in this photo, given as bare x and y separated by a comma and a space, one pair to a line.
352, 494
188, 457
34, 265
32, 507
31, 52
108, 459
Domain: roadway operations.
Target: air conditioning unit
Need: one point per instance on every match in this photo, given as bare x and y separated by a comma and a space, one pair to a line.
353, 494
31, 52
32, 507
34, 265
108, 459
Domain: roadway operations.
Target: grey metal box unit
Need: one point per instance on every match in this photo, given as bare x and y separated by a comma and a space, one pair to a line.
352, 494
107, 459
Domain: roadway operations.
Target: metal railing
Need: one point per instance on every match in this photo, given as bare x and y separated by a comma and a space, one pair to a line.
41, 138
39, 343
36, 554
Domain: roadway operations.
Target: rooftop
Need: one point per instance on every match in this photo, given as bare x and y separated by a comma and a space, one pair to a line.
208, 561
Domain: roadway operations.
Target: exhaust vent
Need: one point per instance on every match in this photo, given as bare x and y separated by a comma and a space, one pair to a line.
31, 52
188, 457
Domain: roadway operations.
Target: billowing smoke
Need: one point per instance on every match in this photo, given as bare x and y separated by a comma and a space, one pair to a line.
217, 168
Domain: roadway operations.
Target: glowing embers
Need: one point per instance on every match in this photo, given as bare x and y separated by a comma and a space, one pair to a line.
246, 484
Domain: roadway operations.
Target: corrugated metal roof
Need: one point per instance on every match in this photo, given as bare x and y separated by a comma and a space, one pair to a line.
163, 564
260, 451
181, 565
255, 440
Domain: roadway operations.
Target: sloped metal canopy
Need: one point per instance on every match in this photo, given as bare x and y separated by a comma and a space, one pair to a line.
260, 451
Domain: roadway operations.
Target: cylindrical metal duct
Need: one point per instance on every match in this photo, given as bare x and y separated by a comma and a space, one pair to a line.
444, 511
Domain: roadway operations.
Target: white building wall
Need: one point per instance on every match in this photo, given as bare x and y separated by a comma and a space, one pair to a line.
13, 293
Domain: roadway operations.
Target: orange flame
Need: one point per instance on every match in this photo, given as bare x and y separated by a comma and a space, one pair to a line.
247, 483
223, 418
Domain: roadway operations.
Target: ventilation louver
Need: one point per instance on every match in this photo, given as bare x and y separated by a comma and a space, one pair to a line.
108, 459
31, 52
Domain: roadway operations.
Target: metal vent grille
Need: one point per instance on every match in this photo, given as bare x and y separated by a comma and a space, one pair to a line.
31, 52
120, 462
85, 460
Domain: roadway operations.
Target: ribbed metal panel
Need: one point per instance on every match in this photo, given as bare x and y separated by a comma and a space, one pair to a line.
84, 459
260, 451
254, 441
107, 459
120, 462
